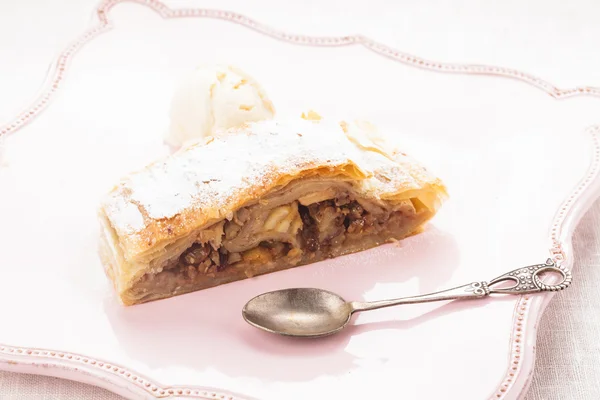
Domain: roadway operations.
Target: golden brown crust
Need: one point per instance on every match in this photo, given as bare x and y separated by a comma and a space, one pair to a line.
207, 182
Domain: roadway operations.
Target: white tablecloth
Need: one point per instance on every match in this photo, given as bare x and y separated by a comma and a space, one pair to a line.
568, 350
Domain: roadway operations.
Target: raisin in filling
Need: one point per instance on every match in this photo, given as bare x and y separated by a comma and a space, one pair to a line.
326, 223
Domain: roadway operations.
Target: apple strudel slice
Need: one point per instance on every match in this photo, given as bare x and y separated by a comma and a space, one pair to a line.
264, 197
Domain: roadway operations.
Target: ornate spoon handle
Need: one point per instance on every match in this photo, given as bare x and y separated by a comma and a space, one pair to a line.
526, 280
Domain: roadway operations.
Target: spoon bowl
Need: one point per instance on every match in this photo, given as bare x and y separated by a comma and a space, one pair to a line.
303, 312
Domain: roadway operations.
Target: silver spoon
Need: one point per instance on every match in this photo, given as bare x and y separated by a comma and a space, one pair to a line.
307, 312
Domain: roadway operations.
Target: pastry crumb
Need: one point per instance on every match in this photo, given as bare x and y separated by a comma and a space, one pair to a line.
311, 116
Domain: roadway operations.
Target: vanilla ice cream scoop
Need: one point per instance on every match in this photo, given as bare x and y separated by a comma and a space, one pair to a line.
213, 98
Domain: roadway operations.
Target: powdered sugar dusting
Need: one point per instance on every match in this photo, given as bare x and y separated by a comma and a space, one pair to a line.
244, 164
130, 218
210, 176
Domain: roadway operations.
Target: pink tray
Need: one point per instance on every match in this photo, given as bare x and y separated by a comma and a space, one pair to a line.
522, 168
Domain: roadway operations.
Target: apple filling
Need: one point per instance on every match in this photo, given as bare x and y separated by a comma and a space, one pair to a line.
269, 236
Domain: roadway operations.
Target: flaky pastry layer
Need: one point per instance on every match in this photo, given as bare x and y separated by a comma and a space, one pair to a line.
217, 200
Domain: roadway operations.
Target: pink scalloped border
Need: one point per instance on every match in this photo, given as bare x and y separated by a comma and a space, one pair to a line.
522, 308
78, 360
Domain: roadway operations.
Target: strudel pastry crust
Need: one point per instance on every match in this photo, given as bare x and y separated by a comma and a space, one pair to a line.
264, 197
